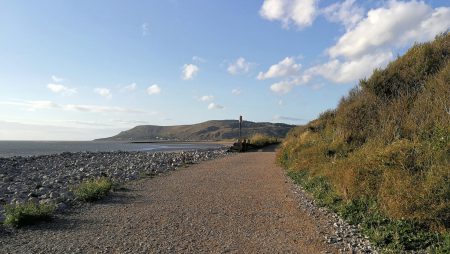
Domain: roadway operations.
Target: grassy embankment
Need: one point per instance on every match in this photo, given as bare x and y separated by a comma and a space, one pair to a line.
381, 159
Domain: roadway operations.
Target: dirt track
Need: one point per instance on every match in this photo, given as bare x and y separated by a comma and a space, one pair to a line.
238, 204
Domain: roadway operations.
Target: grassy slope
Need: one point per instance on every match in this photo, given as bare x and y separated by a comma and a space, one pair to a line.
210, 130
382, 157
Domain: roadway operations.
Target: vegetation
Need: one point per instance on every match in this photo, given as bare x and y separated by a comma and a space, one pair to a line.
93, 189
260, 140
28, 213
382, 157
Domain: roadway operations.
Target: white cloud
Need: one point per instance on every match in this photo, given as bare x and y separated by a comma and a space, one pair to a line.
189, 71
239, 67
371, 42
236, 92
61, 89
396, 25
35, 105
207, 98
300, 12
284, 68
99, 109
104, 92
57, 79
282, 87
350, 70
345, 12
213, 105
144, 28
153, 89
32, 105
286, 85
129, 88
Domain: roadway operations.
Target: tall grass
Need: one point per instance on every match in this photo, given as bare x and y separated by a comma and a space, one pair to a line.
260, 140
388, 142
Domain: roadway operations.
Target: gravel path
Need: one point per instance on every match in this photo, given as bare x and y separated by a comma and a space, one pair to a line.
241, 203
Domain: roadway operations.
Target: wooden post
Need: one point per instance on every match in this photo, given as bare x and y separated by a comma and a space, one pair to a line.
240, 128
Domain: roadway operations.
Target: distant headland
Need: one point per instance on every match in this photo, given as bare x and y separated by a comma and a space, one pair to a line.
213, 130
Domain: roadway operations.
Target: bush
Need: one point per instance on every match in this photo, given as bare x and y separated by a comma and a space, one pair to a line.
28, 213
92, 190
260, 140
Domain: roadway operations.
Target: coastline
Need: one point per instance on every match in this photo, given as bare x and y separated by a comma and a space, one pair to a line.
37, 148
48, 178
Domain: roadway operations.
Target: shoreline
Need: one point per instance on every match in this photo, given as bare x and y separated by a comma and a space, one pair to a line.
48, 178
10, 149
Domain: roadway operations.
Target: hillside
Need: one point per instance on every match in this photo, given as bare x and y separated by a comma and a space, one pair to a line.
210, 130
381, 159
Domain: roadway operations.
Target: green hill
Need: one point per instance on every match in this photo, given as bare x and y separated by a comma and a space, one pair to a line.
210, 130
381, 159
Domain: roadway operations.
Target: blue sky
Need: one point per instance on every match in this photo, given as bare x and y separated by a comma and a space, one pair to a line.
78, 70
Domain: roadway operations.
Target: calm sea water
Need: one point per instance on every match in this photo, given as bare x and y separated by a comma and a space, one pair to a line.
29, 148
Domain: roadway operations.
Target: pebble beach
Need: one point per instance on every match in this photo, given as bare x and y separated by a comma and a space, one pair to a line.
49, 178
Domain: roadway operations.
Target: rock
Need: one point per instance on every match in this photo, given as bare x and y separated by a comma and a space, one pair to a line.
33, 200
45, 201
61, 207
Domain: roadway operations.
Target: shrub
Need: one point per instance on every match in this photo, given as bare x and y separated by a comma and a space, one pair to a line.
27, 213
93, 189
260, 140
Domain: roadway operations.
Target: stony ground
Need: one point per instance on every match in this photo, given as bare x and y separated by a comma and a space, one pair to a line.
241, 203
48, 178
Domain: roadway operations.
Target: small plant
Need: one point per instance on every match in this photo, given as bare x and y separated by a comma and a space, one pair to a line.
93, 189
27, 213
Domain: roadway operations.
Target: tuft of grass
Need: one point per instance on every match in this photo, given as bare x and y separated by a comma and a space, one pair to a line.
260, 140
28, 213
93, 189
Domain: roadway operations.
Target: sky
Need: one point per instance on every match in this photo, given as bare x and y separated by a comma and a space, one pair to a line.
79, 70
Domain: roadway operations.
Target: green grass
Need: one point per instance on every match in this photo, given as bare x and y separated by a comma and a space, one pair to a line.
92, 190
28, 213
392, 236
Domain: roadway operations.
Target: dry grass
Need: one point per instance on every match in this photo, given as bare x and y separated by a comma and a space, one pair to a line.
260, 140
388, 140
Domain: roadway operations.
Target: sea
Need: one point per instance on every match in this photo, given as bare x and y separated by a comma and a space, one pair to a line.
31, 148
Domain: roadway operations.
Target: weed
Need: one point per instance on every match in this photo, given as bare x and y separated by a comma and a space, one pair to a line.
93, 189
28, 213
